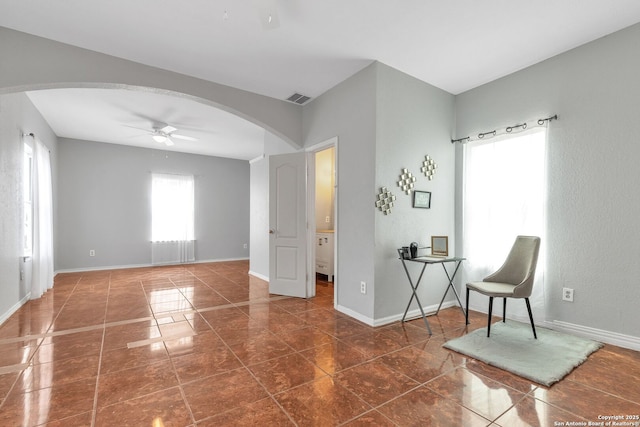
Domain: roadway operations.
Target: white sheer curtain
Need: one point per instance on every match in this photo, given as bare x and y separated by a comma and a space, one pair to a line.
172, 218
172, 207
504, 196
42, 265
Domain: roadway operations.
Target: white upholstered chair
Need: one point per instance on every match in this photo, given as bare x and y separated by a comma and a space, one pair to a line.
513, 280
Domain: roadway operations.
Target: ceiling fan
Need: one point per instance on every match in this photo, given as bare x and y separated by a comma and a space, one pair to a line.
166, 134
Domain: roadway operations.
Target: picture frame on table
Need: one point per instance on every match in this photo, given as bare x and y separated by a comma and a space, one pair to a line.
440, 246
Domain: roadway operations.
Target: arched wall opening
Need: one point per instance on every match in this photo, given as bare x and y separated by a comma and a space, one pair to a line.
34, 63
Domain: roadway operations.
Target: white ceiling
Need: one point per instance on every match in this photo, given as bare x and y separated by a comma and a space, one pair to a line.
128, 117
310, 46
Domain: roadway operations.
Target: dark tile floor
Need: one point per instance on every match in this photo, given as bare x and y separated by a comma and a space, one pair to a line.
207, 345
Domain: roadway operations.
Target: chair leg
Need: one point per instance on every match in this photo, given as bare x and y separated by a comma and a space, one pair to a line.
531, 318
466, 312
504, 309
489, 318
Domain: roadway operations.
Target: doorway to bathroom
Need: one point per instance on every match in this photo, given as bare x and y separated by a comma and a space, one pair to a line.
324, 209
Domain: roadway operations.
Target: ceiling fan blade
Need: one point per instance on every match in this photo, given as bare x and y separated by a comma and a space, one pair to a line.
137, 128
168, 141
183, 137
137, 135
168, 129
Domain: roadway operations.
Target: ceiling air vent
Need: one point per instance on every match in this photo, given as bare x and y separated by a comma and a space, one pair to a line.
298, 98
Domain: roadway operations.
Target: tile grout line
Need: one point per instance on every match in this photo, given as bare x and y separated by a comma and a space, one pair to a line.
180, 385
300, 353
163, 338
94, 411
171, 361
161, 315
269, 394
175, 373
105, 325
37, 347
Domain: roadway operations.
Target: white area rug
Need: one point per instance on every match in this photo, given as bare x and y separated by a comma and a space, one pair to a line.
512, 347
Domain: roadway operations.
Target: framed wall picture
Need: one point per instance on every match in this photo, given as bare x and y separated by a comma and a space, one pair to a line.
440, 245
421, 199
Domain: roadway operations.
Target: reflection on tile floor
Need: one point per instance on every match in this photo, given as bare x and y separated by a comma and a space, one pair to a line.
207, 345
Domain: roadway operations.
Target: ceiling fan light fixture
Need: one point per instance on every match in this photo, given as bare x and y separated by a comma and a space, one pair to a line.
168, 129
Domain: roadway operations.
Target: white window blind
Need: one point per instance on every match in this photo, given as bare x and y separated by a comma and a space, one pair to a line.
172, 207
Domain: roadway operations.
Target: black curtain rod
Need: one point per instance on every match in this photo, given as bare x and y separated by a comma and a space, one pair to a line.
508, 129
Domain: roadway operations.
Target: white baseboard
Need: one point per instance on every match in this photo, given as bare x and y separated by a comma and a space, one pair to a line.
415, 313
204, 261
103, 267
613, 338
364, 319
259, 276
14, 308
431, 309
120, 267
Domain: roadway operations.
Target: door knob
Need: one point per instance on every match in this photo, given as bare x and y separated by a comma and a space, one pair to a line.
272, 231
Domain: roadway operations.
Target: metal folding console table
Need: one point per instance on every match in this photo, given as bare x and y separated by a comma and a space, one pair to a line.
425, 260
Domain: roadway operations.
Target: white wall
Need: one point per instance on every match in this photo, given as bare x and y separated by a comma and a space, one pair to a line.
17, 116
104, 204
593, 204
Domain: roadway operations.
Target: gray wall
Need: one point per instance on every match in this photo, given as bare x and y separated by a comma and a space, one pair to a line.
259, 248
593, 204
104, 204
259, 222
414, 119
17, 116
384, 121
30, 62
348, 111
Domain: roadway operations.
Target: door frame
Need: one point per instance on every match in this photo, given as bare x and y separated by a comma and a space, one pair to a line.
311, 216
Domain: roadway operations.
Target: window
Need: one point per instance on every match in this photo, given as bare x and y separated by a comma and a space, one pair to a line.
27, 197
504, 196
172, 208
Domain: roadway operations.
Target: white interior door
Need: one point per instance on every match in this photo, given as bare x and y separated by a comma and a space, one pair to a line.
287, 225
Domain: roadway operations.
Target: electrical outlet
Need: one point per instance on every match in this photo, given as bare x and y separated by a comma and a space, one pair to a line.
363, 288
92, 252
245, 246
327, 219
567, 294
